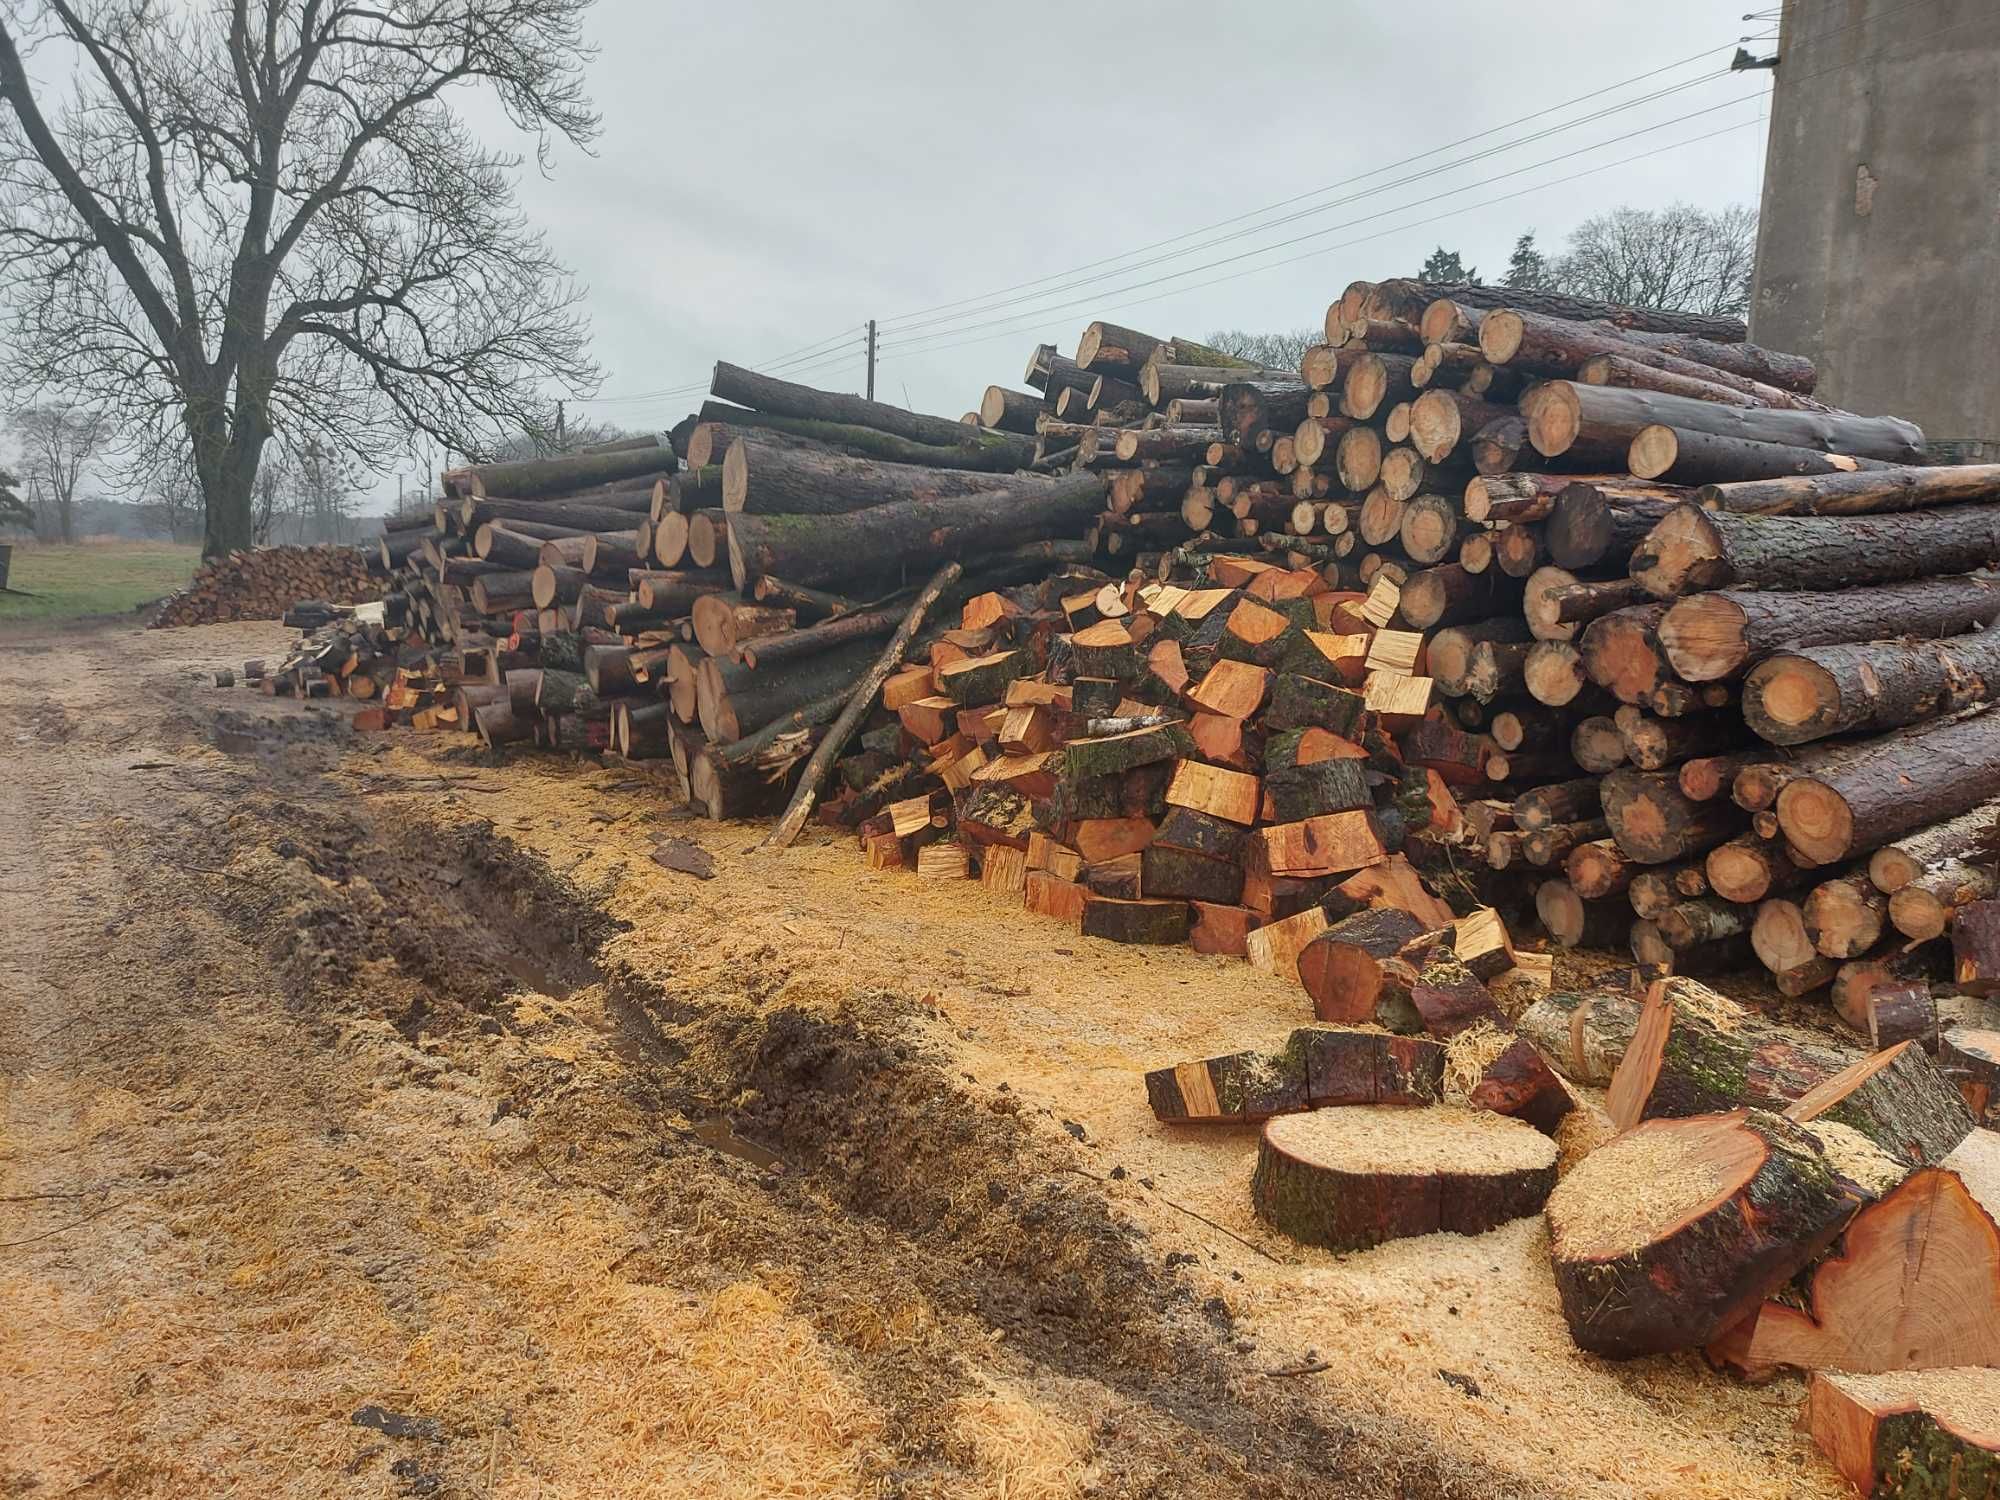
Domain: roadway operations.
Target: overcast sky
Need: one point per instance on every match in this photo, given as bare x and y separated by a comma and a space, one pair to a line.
772, 175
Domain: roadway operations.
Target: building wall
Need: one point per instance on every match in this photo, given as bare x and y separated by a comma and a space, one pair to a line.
1878, 251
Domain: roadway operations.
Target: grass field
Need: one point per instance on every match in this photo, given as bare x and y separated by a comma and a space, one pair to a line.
107, 577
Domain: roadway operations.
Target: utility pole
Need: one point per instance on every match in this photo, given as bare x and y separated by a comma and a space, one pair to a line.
871, 359
561, 445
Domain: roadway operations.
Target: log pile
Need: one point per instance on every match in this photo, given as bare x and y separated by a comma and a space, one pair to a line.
1310, 667
265, 583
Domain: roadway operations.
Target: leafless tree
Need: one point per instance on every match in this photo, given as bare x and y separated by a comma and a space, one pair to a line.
58, 443
248, 217
1276, 351
1682, 257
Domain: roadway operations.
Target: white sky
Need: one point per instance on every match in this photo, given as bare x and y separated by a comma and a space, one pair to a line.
771, 175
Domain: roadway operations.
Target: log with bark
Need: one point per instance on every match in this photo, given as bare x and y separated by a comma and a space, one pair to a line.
1692, 550
1799, 695
1868, 794
767, 394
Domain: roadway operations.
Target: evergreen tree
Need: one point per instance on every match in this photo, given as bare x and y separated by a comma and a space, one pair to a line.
1526, 268
1446, 265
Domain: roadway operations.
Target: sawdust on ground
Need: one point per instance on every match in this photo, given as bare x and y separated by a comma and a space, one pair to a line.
269, 1228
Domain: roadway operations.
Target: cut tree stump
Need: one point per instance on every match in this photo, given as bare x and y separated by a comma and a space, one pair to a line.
1929, 1435
1673, 1231
1346, 1179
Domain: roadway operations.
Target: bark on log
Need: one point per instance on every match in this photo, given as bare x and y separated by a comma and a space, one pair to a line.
724, 424
1654, 823
1668, 454
1713, 637
1594, 525
1871, 492
1693, 550
1974, 834
765, 478
824, 549
1597, 423
1413, 300
1796, 696
1558, 346
1910, 1436
1669, 1234
764, 393
1346, 1179
533, 478
1859, 801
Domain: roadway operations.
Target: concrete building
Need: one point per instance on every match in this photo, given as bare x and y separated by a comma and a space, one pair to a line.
1878, 251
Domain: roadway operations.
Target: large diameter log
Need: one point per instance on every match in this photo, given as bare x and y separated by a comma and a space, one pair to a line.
765, 393
1247, 408
822, 549
735, 700
1693, 550
1869, 492
1598, 423
1345, 1179
1712, 637
1673, 1231
532, 478
1919, 776
1796, 696
1913, 1281
765, 478
1667, 453
1557, 346
1009, 411
1121, 351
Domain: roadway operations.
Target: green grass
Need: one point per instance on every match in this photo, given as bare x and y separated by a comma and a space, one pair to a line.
108, 577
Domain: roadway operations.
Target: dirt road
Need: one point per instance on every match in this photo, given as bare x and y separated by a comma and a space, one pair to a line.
378, 1120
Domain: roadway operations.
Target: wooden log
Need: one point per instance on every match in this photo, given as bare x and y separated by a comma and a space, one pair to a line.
1550, 345
1623, 654
1596, 424
1374, 382
1971, 835
1913, 1280
1346, 1179
1693, 550
1583, 1033
825, 549
762, 477
1666, 453
1457, 314
765, 394
1748, 868
1574, 922
1864, 492
1929, 1432
1696, 1053
1144, 921
1356, 970
1596, 526
1009, 411
1799, 695
1975, 948
535, 478
1861, 798
1713, 637
1557, 605
1671, 1232
1898, 1099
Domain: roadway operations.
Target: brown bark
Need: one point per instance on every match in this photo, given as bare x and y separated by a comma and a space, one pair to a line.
1974, 834
1598, 423
1593, 525
1796, 696
1863, 798
765, 394
1712, 637
1869, 492
1666, 453
1655, 824
762, 477
1693, 550
535, 478
1559, 346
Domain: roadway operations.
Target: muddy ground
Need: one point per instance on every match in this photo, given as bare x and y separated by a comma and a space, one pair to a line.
376, 1119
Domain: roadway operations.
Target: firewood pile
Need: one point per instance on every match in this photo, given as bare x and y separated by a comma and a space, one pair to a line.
265, 583
1504, 615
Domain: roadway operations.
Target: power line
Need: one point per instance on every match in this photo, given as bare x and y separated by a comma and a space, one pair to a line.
1038, 316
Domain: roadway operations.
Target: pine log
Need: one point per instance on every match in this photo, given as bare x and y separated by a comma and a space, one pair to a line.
1582, 1033
1693, 550
1800, 695
1444, 310
1596, 525
1867, 492
1712, 637
824, 549
1748, 868
1346, 1179
1556, 345
1672, 1232
1665, 453
1600, 868
1974, 834
1596, 424
1859, 799
1573, 922
1558, 605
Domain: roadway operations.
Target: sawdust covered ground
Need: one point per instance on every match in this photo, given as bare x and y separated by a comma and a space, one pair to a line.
369, 1131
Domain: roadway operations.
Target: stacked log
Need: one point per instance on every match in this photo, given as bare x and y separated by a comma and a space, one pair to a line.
266, 582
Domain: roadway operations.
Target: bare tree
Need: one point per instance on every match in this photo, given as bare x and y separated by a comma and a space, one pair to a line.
58, 444
247, 217
1680, 257
1275, 351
